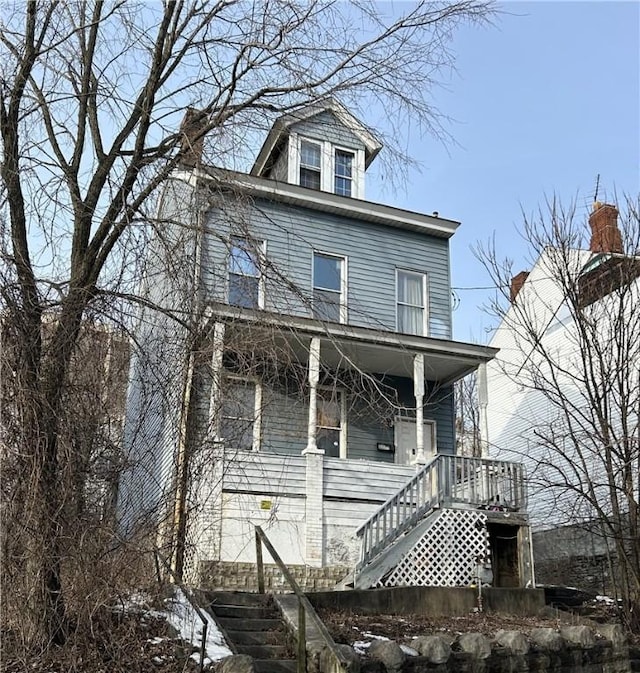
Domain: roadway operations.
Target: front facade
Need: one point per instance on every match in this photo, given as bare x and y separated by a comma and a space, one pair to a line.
320, 374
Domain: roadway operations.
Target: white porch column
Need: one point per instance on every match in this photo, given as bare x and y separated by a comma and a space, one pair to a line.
215, 398
314, 468
418, 391
314, 377
483, 400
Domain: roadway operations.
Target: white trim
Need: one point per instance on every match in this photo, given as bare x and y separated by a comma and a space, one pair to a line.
260, 247
426, 422
327, 165
425, 300
342, 393
344, 288
291, 193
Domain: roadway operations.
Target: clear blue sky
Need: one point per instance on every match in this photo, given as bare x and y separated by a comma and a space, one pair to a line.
544, 101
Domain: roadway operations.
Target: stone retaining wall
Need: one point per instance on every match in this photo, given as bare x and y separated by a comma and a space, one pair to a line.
572, 649
227, 576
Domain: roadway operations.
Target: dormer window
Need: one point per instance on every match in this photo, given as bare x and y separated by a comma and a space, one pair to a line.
343, 167
310, 164
322, 165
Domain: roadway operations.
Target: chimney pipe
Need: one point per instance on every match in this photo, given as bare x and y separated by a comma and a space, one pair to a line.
605, 234
516, 284
192, 136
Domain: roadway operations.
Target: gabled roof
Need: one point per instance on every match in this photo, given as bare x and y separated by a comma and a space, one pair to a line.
280, 129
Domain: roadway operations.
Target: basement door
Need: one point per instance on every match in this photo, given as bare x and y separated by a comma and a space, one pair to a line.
405, 440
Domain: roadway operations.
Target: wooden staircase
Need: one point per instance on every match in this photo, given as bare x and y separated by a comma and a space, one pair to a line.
455, 482
253, 625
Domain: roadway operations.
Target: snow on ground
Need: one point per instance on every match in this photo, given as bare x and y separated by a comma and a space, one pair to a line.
182, 616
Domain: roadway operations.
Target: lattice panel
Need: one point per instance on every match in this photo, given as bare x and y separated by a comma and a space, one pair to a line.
446, 554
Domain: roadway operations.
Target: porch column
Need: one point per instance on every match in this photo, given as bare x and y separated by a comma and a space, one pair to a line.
482, 408
215, 398
314, 377
314, 468
418, 391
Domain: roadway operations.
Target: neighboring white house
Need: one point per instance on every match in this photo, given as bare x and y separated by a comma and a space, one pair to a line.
316, 377
563, 393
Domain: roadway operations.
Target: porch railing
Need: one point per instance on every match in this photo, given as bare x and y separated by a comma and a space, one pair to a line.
444, 481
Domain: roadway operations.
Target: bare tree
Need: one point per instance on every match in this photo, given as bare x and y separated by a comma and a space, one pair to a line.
91, 100
467, 417
565, 389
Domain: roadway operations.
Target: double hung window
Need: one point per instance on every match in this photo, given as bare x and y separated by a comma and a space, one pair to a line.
329, 432
411, 289
244, 273
343, 173
310, 164
329, 287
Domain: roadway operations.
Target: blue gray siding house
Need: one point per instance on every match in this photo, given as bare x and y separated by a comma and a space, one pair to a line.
313, 349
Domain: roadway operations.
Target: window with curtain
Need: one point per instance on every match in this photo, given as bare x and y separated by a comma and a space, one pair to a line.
329, 421
244, 273
328, 280
411, 302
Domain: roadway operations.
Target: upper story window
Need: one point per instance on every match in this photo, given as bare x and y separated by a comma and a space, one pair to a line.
310, 165
245, 279
411, 297
322, 165
329, 287
343, 172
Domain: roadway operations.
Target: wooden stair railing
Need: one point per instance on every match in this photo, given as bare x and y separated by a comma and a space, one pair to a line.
445, 480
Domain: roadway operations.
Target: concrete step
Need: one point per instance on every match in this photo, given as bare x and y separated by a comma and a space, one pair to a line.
264, 651
256, 637
234, 624
237, 598
275, 665
245, 611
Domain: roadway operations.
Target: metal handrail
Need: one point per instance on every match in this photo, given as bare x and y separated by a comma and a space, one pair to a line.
304, 606
444, 479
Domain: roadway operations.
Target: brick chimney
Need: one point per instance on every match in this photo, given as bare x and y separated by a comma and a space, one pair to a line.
605, 234
516, 284
192, 137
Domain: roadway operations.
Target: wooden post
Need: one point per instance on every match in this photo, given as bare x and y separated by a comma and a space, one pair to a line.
259, 564
418, 389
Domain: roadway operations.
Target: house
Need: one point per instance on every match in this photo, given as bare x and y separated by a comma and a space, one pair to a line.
562, 396
299, 375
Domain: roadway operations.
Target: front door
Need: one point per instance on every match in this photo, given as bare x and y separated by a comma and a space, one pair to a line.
405, 440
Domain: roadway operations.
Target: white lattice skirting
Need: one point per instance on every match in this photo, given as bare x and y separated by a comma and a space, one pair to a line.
446, 555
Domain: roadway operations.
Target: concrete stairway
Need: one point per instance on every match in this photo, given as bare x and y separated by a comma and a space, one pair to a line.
253, 624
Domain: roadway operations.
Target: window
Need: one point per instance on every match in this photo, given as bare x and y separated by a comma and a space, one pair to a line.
322, 165
244, 273
411, 302
239, 419
310, 165
330, 431
328, 287
343, 168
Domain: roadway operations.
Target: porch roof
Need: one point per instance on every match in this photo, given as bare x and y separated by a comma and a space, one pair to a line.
352, 347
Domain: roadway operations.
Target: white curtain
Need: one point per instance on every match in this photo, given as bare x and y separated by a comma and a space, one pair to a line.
410, 303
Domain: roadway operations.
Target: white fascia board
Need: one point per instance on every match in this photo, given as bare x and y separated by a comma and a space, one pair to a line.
333, 203
338, 331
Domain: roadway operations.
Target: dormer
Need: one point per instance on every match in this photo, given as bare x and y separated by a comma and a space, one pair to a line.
321, 146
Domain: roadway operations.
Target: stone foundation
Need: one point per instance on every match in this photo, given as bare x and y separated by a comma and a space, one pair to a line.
229, 576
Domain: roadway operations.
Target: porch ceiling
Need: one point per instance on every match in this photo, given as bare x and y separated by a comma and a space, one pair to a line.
371, 350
